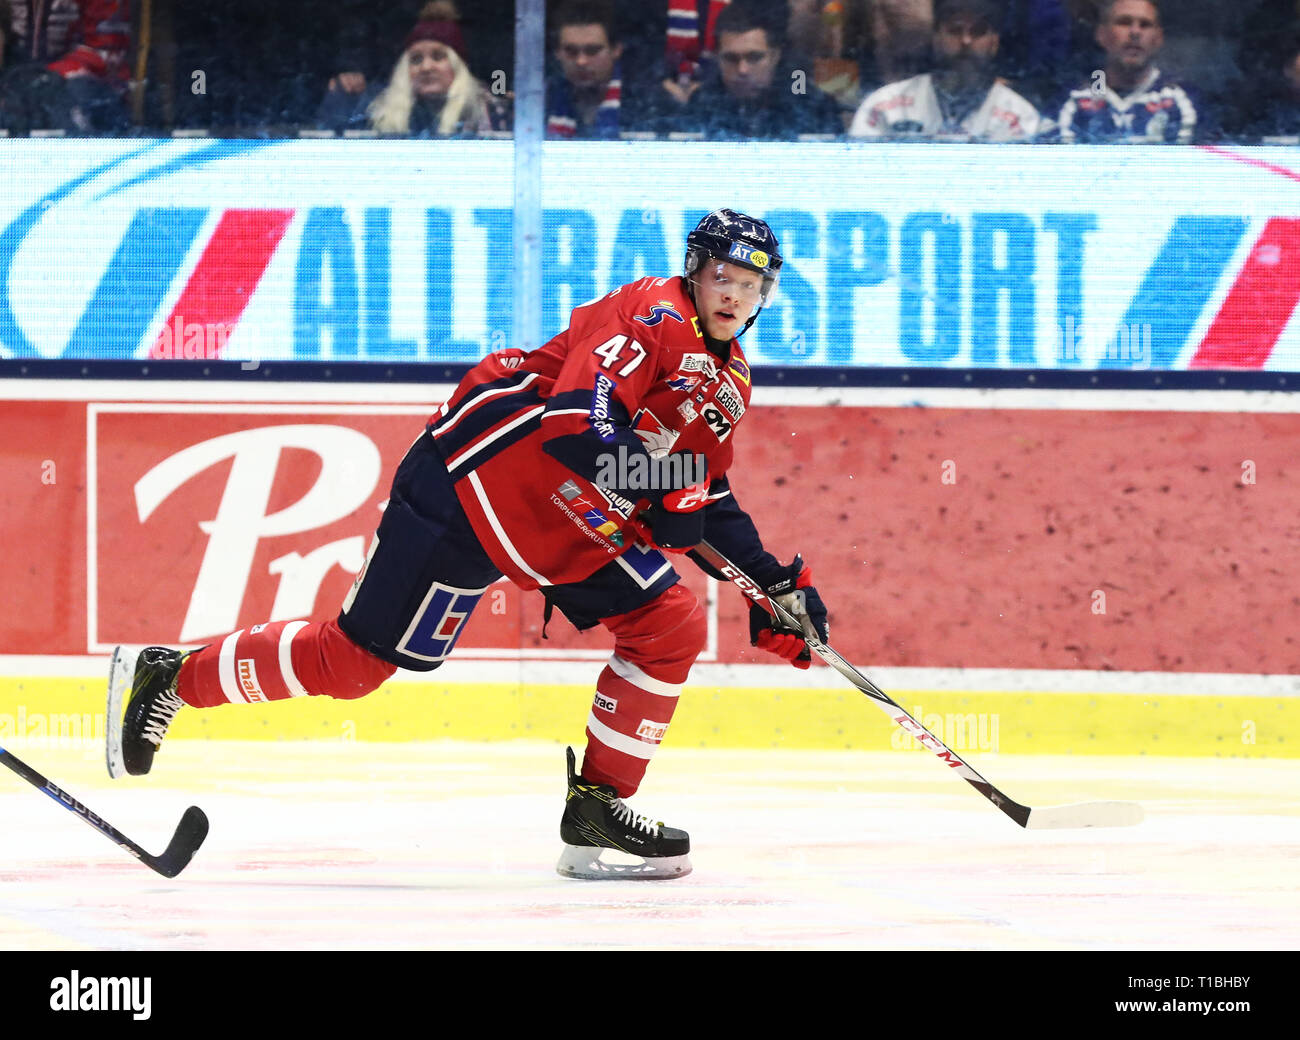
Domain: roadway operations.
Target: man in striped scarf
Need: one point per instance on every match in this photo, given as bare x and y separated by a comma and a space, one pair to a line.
586, 100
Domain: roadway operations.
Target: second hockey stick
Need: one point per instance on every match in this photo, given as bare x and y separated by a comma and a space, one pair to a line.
1084, 814
189, 835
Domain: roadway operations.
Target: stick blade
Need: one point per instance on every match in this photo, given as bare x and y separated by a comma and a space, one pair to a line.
1085, 814
189, 835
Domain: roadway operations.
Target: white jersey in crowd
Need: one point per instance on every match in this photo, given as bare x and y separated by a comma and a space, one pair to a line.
912, 106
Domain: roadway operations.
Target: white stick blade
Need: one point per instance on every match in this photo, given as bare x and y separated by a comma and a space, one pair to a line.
1086, 814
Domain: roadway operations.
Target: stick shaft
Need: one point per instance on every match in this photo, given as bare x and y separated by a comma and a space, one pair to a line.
882, 700
48, 787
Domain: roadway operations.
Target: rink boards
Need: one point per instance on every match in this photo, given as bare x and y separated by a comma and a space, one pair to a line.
1061, 572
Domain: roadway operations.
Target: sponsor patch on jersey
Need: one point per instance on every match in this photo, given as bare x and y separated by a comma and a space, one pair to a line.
698, 363
569, 490
652, 732
687, 411
682, 384
729, 397
246, 676
258, 628
606, 703
740, 370
717, 420
600, 420
658, 312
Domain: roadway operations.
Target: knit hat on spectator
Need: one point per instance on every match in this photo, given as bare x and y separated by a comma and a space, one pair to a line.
990, 10
439, 22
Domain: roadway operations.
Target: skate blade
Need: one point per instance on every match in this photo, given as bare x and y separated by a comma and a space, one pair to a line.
121, 676
599, 864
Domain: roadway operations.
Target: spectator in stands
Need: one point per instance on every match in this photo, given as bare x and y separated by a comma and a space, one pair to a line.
32, 97
1130, 100
753, 96
688, 31
86, 43
586, 100
365, 33
431, 92
963, 97
1272, 108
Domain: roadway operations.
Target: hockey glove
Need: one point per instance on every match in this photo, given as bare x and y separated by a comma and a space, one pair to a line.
676, 523
794, 590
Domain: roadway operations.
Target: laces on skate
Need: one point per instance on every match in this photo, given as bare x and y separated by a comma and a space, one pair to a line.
624, 814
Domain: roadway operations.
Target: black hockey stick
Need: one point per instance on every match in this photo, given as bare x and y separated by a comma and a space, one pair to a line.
1085, 814
189, 835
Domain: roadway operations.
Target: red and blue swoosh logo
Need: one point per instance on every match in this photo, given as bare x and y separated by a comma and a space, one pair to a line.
125, 303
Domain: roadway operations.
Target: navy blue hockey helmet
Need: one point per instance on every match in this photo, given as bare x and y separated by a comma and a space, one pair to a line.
736, 239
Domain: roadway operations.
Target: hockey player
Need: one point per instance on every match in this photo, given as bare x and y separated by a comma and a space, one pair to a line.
571, 469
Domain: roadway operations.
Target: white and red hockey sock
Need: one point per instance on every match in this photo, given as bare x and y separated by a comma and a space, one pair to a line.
636, 693
279, 660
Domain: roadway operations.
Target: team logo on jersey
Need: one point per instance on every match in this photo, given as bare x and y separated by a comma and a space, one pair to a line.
657, 438
661, 310
740, 370
433, 632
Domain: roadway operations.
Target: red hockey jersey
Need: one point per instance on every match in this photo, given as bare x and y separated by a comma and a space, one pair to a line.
527, 437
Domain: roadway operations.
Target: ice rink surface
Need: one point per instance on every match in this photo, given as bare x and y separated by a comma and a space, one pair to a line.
390, 846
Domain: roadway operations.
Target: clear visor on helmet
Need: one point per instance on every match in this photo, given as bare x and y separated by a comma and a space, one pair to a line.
749, 287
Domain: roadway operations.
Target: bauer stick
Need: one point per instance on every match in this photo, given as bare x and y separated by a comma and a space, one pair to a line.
1084, 814
189, 835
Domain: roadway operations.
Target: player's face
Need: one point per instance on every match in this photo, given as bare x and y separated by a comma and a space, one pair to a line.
586, 56
748, 63
966, 38
1130, 34
431, 69
725, 297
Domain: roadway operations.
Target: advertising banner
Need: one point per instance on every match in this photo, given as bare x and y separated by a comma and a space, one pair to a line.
973, 256
982, 530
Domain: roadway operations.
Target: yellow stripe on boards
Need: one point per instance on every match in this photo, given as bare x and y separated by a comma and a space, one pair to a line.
978, 722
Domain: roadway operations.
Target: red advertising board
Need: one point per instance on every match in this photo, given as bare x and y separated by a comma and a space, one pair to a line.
1056, 537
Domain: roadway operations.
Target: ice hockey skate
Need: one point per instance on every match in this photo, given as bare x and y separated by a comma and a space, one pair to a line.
604, 840
146, 682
